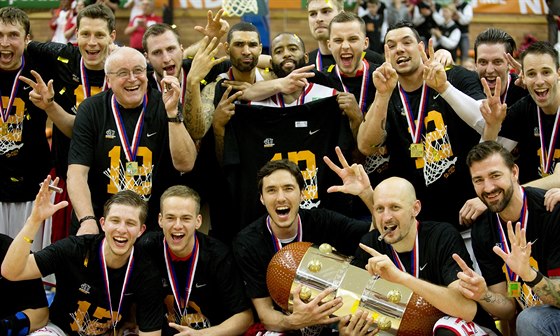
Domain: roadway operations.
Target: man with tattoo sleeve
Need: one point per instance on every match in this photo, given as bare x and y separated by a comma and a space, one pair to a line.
531, 253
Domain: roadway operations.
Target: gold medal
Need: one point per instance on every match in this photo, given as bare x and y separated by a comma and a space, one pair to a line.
544, 174
131, 168
416, 150
514, 289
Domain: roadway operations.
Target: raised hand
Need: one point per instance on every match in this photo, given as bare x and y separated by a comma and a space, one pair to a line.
492, 109
215, 25
171, 93
354, 178
204, 59
42, 94
385, 77
225, 109
381, 265
297, 79
515, 65
42, 207
520, 251
471, 284
434, 72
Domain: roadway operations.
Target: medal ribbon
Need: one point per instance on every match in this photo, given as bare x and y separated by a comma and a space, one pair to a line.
130, 151
547, 156
364, 87
173, 277
504, 97
414, 257
85, 81
275, 241
524, 216
415, 128
183, 87
300, 100
13, 93
129, 267
230, 74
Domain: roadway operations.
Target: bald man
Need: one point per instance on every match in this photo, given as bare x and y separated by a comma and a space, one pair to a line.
415, 254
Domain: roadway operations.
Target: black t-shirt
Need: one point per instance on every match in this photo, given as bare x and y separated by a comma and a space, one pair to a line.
253, 246
217, 290
328, 60
521, 124
96, 144
61, 62
542, 229
514, 92
437, 242
81, 303
446, 140
25, 157
18, 295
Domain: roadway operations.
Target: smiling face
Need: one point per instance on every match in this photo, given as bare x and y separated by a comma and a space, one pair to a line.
12, 44
179, 219
494, 182
404, 50
94, 39
540, 75
244, 50
491, 64
122, 226
164, 52
130, 89
287, 54
347, 42
281, 196
319, 16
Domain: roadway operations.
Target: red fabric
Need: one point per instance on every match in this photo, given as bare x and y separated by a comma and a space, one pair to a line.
62, 219
554, 272
136, 36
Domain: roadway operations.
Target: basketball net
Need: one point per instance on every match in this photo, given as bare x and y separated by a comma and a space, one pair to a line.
10, 134
239, 7
437, 150
140, 184
376, 160
310, 191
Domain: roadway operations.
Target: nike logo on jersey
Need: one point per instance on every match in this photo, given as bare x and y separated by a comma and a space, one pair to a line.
200, 285
436, 96
313, 132
151, 134
422, 268
26, 87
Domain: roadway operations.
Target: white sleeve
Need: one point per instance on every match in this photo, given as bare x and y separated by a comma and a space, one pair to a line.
465, 107
452, 41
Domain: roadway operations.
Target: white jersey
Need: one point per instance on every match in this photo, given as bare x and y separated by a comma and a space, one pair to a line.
311, 93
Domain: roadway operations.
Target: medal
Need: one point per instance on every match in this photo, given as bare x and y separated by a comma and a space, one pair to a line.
416, 150
414, 257
131, 168
514, 289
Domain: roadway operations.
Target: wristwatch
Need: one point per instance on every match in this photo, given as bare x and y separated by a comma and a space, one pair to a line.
177, 119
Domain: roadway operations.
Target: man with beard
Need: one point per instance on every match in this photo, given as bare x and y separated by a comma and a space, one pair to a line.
530, 248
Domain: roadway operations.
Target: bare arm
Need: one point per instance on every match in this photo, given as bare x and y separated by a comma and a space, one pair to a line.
80, 196
215, 27
547, 182
235, 325
38, 318
18, 263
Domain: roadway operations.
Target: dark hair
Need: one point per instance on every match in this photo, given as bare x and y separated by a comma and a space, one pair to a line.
242, 26
373, 2
98, 11
485, 149
130, 198
541, 48
301, 44
14, 16
157, 30
272, 166
183, 192
494, 36
403, 24
339, 4
348, 17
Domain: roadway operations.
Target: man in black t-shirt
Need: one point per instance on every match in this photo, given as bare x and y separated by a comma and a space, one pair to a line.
530, 249
24, 304
99, 277
127, 138
280, 185
192, 267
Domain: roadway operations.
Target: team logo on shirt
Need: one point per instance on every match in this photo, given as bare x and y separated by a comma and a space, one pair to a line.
268, 142
110, 134
85, 288
536, 132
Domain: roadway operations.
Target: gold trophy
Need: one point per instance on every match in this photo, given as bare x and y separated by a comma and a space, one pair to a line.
395, 309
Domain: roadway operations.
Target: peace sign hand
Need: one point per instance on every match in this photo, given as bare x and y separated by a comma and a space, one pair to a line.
434, 72
42, 94
385, 77
492, 109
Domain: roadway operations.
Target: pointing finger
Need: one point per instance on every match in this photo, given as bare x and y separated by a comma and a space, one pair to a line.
487, 91
28, 81
461, 263
370, 250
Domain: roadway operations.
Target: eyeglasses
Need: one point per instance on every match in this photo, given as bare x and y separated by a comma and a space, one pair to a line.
124, 73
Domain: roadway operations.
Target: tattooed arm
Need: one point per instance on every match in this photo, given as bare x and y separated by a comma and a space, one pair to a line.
548, 290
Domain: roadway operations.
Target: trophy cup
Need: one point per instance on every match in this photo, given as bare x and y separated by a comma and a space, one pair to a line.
395, 309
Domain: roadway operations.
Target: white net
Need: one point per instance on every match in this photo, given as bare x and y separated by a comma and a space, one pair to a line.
376, 160
527, 298
195, 321
312, 330
10, 134
86, 325
239, 7
140, 183
437, 151
310, 191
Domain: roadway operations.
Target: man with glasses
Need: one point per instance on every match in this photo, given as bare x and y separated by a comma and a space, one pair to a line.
129, 137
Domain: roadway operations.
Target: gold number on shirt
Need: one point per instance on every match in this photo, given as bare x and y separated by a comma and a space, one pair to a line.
141, 183
79, 93
13, 120
435, 136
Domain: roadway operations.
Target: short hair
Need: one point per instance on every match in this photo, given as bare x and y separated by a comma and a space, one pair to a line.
484, 150
338, 4
348, 17
541, 48
14, 16
98, 11
284, 164
403, 24
117, 53
373, 2
242, 26
129, 198
157, 30
301, 44
495, 36
182, 192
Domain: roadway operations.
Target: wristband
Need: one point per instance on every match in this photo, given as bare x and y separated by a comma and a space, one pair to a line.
537, 279
83, 219
27, 239
15, 325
